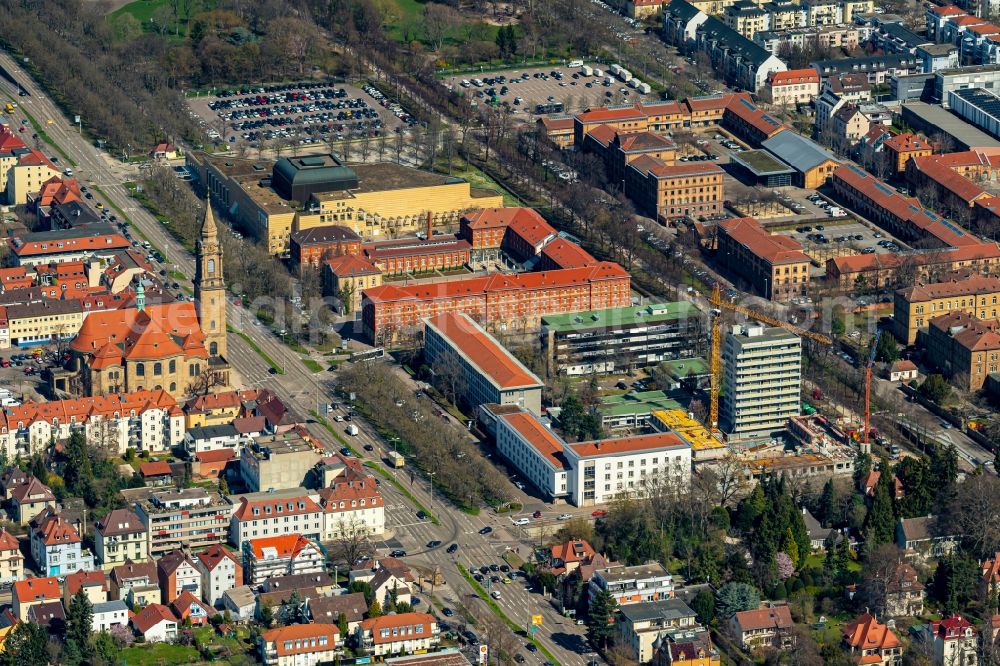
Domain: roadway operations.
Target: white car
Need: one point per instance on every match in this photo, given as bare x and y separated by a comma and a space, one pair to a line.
565, 516
495, 594
522, 521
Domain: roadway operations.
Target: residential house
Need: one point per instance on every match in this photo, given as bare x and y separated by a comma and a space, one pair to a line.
300, 645
220, 571
642, 626
108, 614
630, 585
175, 573
34, 591
136, 583
389, 579
870, 642
49, 615
764, 627
407, 633
352, 502
565, 558
11, 560
29, 499
156, 623
189, 607
925, 537
279, 513
241, 602
902, 595
290, 554
156, 473
328, 609
955, 642
687, 649
903, 371
56, 546
120, 536
94, 584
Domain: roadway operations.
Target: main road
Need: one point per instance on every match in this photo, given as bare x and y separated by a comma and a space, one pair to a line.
301, 387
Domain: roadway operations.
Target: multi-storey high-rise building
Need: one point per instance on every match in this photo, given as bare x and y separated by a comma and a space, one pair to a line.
763, 373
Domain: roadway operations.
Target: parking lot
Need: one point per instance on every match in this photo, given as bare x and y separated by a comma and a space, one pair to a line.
306, 113
555, 89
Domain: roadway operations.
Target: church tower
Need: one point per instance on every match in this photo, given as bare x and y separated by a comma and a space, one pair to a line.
209, 285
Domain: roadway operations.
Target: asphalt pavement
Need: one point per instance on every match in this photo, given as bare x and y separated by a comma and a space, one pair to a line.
299, 386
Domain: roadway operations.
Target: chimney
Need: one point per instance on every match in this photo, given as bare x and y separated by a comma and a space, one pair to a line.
430, 224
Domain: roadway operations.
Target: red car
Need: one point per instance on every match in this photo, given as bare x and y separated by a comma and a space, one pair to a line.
600, 513
537, 514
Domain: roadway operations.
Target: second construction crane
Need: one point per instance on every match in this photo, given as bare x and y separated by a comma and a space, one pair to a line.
715, 360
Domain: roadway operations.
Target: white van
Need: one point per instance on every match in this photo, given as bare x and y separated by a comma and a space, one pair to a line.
465, 83
477, 82
575, 63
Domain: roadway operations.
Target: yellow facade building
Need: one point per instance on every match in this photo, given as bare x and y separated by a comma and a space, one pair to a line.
914, 307
271, 200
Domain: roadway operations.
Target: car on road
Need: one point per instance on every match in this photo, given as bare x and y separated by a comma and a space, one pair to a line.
399, 552
531, 647
946, 424
421, 515
344, 451
599, 513
471, 638
494, 567
433, 544
522, 521
519, 485
452, 548
537, 514
519, 658
447, 612
504, 568
565, 516
495, 594
485, 570
368, 447
486, 530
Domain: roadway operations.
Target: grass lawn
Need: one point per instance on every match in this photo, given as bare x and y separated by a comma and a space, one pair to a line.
159, 653
142, 10
312, 365
479, 179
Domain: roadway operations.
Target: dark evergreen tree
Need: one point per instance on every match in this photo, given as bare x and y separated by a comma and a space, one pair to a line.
826, 508
600, 619
880, 522
80, 623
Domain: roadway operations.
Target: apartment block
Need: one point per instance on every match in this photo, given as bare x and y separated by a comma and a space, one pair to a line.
405, 633
620, 340
56, 247
633, 585
643, 625
691, 189
191, 517
489, 373
914, 307
277, 462
300, 645
277, 513
352, 502
965, 349
56, 546
791, 88
774, 265
119, 537
288, 555
762, 379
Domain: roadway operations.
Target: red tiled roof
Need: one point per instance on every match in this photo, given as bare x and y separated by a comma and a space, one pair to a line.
907, 142
36, 157
966, 20
9, 141
538, 436
483, 351
660, 169
533, 229
477, 286
565, 254
245, 510
220, 455
32, 248
948, 10
756, 117
952, 627
287, 545
659, 440
773, 248
155, 468
349, 265
970, 286
777, 617
152, 615
555, 124
376, 624
8, 541
37, 589
970, 332
301, 635
214, 555
866, 633
604, 134
985, 29
573, 551
76, 580
602, 115
960, 186
794, 77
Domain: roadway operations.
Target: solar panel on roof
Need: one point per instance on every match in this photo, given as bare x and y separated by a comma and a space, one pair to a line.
747, 104
915, 209
880, 186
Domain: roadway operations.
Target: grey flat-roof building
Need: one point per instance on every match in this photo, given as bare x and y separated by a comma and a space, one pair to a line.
763, 376
912, 87
931, 119
763, 168
947, 80
979, 106
296, 178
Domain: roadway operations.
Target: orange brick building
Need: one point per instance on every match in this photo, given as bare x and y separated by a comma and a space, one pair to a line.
415, 255
310, 247
520, 231
900, 148
512, 302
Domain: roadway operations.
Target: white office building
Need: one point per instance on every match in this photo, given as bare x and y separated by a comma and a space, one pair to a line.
762, 380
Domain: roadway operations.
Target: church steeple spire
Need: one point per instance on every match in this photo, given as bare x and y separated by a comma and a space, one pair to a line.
210, 285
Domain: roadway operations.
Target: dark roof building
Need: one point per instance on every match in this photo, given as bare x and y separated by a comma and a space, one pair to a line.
296, 178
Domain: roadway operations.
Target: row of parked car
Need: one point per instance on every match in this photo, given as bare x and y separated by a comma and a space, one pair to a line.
393, 107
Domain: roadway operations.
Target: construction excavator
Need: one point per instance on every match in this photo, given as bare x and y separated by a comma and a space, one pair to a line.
715, 361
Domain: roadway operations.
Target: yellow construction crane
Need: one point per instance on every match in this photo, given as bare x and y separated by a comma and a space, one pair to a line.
715, 360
